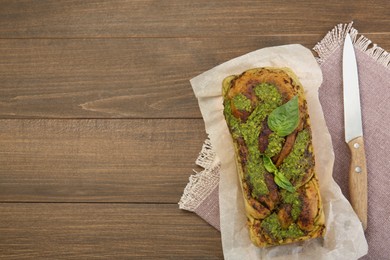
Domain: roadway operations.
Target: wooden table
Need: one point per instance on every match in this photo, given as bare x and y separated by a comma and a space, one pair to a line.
99, 127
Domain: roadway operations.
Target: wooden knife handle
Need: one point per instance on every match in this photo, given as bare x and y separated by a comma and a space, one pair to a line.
358, 179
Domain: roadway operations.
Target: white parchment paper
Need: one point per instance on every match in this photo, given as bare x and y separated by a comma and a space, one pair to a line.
344, 237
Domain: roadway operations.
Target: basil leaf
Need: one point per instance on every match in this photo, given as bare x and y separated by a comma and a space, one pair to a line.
284, 119
283, 182
269, 165
279, 178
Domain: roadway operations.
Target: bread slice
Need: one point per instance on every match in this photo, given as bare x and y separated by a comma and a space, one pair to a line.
277, 213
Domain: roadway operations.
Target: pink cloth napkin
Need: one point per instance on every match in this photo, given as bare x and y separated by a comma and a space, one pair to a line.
201, 194
374, 80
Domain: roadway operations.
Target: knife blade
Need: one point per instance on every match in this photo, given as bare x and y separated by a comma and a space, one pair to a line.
354, 132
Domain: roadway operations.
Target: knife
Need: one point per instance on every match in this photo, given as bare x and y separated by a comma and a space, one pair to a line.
354, 133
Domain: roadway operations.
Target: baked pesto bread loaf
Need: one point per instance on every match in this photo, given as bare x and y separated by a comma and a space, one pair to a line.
266, 112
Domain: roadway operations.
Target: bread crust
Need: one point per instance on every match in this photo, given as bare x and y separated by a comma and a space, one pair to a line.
310, 221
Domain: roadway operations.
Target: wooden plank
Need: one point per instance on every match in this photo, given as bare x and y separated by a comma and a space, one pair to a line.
112, 78
98, 160
109, 231
116, 78
183, 18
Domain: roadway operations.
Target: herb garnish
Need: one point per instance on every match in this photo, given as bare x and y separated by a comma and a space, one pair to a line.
284, 119
279, 178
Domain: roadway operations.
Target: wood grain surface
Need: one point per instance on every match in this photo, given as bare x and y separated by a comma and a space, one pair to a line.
97, 160
183, 18
117, 78
99, 126
104, 78
108, 231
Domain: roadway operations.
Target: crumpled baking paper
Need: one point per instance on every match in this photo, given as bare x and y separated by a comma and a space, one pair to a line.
344, 237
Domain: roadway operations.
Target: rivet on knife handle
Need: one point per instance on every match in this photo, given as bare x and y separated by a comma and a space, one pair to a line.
358, 179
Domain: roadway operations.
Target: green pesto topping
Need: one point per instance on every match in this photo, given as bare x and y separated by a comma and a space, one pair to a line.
273, 227
270, 99
241, 102
268, 93
275, 144
294, 201
256, 173
251, 129
296, 163
232, 121
255, 168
